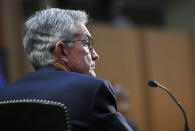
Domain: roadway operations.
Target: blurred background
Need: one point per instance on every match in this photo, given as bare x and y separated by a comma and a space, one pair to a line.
137, 41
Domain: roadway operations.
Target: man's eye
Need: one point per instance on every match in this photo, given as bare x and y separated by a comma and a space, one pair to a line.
88, 42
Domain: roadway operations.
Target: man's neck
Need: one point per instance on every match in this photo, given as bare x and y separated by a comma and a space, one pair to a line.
60, 66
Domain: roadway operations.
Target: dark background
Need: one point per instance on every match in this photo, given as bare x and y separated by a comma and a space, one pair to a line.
140, 12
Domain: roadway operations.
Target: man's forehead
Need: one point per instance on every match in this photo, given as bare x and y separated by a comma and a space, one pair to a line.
83, 29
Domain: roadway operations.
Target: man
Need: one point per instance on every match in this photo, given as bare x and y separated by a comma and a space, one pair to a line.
59, 46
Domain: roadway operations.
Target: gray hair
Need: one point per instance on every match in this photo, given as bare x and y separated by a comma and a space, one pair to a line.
45, 28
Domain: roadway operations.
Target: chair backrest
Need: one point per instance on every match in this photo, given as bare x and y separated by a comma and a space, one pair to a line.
33, 115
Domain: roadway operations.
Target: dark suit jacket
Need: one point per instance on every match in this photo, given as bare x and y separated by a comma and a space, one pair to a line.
90, 101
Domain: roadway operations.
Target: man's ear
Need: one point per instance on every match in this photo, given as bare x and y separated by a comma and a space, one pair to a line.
61, 52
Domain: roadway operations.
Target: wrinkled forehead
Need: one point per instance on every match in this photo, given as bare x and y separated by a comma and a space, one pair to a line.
83, 30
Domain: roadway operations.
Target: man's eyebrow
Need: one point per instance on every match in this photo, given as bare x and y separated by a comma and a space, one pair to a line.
88, 36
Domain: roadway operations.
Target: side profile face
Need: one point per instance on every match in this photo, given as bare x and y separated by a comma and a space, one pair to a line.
80, 58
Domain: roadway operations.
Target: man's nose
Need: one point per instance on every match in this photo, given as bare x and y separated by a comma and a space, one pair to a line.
94, 55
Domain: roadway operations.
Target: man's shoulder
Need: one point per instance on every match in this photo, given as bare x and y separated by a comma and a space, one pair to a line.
82, 78
58, 77
56, 73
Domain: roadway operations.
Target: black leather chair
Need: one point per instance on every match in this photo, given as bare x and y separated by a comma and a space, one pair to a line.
33, 115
